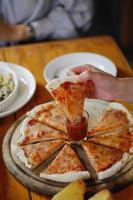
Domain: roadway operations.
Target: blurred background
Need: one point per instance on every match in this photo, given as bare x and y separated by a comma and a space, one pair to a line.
62, 19
115, 18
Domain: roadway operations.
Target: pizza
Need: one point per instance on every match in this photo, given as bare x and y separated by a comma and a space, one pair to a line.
42, 133
34, 154
50, 114
105, 160
66, 167
33, 131
122, 139
114, 116
70, 95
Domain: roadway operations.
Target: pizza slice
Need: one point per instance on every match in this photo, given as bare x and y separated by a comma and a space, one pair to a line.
66, 167
33, 131
34, 154
114, 116
122, 140
70, 95
49, 114
106, 161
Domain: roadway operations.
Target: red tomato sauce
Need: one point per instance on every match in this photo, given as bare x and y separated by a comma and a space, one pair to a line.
77, 131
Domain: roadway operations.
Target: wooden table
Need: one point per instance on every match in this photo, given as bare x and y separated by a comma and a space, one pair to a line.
34, 57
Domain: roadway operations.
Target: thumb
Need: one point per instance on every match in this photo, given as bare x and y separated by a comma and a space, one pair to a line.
84, 76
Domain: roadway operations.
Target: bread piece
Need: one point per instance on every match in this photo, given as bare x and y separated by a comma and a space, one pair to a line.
73, 191
102, 195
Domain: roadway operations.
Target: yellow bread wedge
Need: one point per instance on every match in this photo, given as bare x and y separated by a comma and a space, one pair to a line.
73, 191
102, 195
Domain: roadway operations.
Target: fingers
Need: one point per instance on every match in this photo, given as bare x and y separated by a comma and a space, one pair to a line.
84, 76
90, 89
89, 75
76, 71
97, 78
100, 84
79, 69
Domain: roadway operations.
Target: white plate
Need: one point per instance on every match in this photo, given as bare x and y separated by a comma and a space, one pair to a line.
27, 87
60, 65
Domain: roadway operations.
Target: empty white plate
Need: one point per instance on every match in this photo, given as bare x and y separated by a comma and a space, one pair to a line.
27, 87
60, 65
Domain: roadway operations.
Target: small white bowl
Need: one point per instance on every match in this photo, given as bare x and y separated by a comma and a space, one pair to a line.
4, 69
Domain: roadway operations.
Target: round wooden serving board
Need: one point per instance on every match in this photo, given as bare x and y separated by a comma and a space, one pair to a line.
30, 177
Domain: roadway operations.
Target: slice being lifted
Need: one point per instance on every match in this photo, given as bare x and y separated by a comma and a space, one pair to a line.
114, 116
33, 131
34, 154
49, 114
105, 160
66, 167
70, 95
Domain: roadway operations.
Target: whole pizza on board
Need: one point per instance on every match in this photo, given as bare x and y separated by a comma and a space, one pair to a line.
42, 134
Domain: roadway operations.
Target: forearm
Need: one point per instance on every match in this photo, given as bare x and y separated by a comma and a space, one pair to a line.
6, 31
125, 89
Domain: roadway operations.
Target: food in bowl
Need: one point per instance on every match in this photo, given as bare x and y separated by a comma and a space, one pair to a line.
6, 85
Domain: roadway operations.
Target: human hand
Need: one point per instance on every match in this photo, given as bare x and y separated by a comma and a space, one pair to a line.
19, 32
101, 85
13, 32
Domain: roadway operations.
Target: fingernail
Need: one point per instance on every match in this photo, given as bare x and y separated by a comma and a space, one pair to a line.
83, 77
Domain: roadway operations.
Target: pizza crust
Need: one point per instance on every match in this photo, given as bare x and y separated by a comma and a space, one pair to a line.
54, 84
66, 177
21, 155
36, 109
115, 167
20, 139
24, 125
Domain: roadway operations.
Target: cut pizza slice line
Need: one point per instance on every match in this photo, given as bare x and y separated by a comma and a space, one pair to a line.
34, 154
70, 95
106, 161
114, 116
122, 140
33, 131
66, 167
50, 114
